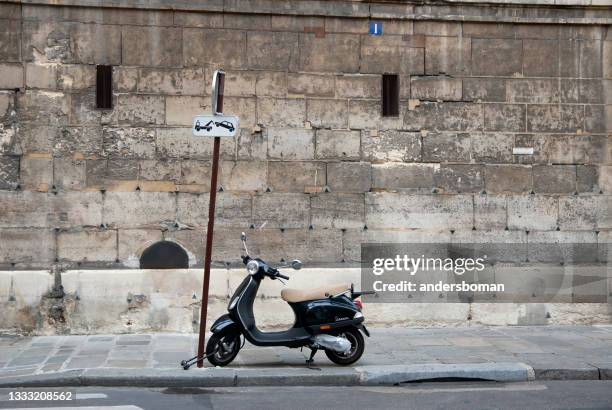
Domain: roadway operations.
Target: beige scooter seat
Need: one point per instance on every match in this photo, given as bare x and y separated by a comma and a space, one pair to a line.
301, 295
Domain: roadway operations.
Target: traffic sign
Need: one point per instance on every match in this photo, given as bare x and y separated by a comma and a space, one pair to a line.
215, 126
375, 28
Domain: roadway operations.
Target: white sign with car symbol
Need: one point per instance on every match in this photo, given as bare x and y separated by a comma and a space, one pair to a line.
215, 126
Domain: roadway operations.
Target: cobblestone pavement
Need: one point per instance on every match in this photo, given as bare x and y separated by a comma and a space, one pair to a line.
552, 351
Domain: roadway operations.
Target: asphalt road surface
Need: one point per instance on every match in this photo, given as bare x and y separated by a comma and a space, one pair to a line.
592, 394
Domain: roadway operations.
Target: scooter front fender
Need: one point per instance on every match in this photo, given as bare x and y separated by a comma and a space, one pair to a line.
225, 324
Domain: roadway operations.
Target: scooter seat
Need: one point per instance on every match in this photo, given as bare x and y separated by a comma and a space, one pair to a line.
301, 295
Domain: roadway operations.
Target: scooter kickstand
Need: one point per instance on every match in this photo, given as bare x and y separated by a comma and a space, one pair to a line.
310, 360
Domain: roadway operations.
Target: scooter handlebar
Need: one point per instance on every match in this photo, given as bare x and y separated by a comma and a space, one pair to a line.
282, 276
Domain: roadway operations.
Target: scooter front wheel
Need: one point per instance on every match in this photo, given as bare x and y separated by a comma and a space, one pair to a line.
222, 349
357, 347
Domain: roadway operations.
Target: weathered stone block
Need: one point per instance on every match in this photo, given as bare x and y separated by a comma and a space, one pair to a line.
311, 84
11, 76
554, 179
277, 112
296, 176
508, 178
540, 58
459, 178
75, 209
337, 144
349, 176
9, 172
607, 59
447, 55
302, 244
73, 141
496, 57
188, 81
25, 209
226, 48
484, 89
565, 149
140, 109
390, 54
437, 28
181, 110
43, 108
340, 211
36, 172
96, 170
446, 147
290, 144
334, 52
504, 117
456, 116
585, 213
272, 50
327, 113
180, 143
153, 46
125, 79
195, 172
119, 169
555, 118
431, 212
242, 107
605, 179
533, 212
490, 212
83, 110
87, 246
252, 145
435, 88
396, 146
597, 118
296, 22
358, 86
69, 174
239, 83
39, 76
580, 59
271, 83
244, 175
587, 177
194, 19
10, 40
138, 209
76, 77
247, 21
397, 176
281, 210
129, 142
71, 42
346, 25
364, 114
492, 147
160, 170
532, 90
34, 247
232, 209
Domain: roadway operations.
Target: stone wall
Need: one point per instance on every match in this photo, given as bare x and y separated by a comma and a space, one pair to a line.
316, 170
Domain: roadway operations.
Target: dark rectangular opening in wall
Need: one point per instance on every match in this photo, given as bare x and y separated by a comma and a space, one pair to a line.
104, 86
390, 95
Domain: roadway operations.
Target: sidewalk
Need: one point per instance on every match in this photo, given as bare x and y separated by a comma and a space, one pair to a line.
391, 356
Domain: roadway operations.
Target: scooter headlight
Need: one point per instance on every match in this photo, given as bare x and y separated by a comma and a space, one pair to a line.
252, 267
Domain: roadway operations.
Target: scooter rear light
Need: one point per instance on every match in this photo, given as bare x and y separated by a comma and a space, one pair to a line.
358, 304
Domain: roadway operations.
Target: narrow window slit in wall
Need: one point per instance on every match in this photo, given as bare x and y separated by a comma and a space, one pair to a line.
104, 87
390, 95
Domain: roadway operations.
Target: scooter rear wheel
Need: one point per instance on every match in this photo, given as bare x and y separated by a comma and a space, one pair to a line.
357, 346
222, 349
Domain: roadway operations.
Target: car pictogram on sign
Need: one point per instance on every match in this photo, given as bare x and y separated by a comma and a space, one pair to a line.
225, 124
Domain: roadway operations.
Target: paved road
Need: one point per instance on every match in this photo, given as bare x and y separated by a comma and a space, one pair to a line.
440, 395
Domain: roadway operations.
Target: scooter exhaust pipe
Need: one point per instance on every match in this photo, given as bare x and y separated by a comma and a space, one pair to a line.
337, 344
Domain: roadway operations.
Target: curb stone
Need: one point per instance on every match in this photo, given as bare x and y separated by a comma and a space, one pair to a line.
220, 377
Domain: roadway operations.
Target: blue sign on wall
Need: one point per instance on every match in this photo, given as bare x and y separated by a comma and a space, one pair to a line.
375, 28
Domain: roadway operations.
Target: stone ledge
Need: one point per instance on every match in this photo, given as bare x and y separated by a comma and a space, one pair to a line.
508, 11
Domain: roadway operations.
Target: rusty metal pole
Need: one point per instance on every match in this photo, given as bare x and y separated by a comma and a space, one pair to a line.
211, 226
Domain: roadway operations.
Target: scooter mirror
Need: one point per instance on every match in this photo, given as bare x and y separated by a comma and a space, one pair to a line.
243, 237
296, 264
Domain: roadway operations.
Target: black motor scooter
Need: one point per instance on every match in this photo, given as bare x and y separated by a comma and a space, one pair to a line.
326, 318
